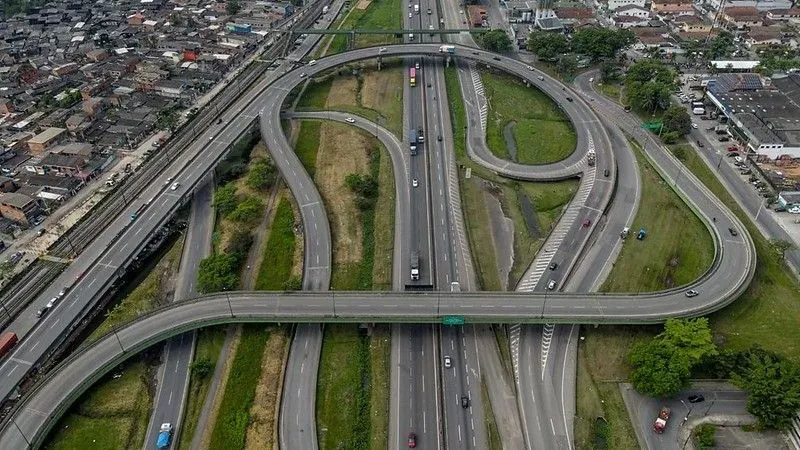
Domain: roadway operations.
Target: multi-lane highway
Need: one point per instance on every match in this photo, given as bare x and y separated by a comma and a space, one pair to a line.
731, 273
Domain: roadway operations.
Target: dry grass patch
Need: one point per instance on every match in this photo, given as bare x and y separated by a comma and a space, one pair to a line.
262, 413
336, 159
343, 92
363, 4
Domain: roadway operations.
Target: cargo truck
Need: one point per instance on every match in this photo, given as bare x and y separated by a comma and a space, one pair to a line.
416, 9
414, 265
661, 421
164, 436
421, 135
447, 49
325, 9
412, 141
7, 341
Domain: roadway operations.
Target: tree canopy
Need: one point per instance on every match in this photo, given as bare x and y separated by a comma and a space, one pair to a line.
547, 45
649, 84
663, 365
598, 43
167, 119
225, 199
218, 272
773, 388
676, 119
496, 41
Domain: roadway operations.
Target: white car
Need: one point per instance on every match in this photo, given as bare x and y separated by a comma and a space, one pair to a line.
382, 49
529, 67
174, 186
694, 125
313, 62
448, 363
414, 182
410, 15
350, 120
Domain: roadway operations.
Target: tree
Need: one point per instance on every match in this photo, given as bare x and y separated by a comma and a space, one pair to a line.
609, 71
546, 45
167, 119
496, 41
773, 388
704, 435
217, 273
663, 365
598, 43
649, 84
233, 7
722, 45
677, 119
781, 246
248, 210
567, 65
225, 199
202, 368
240, 243
671, 137
261, 176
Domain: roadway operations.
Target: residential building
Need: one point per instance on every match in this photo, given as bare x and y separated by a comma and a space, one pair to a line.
761, 5
763, 36
19, 208
672, 7
633, 11
613, 5
47, 138
742, 16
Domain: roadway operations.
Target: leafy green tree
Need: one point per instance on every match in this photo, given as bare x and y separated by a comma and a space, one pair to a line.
773, 388
233, 7
248, 210
649, 84
704, 435
167, 119
240, 243
496, 41
671, 137
677, 120
546, 45
597, 42
217, 273
225, 199
660, 370
663, 365
202, 368
650, 70
722, 45
610, 71
567, 66
262, 175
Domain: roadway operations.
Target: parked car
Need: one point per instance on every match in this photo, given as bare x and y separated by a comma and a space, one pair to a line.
697, 398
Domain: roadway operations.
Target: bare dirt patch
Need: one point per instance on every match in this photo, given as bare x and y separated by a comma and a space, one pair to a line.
378, 87
363, 4
340, 154
262, 413
342, 93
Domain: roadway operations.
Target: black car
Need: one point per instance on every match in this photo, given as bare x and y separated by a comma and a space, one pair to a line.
439, 138
733, 231
569, 99
464, 401
553, 266
606, 173
696, 398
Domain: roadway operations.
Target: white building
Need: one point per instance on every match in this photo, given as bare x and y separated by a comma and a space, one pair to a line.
633, 11
613, 5
761, 5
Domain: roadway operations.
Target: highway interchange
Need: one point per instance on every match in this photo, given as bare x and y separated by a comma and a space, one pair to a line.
730, 274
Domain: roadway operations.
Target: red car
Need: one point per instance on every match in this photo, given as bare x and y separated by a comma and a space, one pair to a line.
733, 148
412, 440
586, 223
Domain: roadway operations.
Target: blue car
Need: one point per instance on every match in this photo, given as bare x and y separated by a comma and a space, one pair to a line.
164, 436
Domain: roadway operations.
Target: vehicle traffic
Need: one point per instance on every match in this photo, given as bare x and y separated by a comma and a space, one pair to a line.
661, 421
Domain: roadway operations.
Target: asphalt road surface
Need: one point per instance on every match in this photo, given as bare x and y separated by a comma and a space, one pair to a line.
654, 308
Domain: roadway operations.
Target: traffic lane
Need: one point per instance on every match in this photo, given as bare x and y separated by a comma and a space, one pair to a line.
428, 389
297, 414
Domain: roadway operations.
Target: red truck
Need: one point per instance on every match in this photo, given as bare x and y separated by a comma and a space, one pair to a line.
661, 421
7, 341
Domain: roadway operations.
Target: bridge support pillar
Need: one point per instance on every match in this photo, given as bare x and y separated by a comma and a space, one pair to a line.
379, 63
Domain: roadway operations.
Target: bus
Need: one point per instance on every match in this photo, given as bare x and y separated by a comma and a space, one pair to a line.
412, 76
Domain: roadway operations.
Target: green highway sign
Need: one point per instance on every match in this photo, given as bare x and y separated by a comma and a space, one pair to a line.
452, 320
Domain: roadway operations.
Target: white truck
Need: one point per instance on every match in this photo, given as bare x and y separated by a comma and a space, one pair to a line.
414, 265
447, 49
416, 9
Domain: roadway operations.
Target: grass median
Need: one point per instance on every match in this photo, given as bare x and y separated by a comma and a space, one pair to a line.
369, 14
113, 414
276, 267
538, 128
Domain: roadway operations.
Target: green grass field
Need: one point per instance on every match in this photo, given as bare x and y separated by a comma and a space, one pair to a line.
315, 95
307, 144
112, 415
276, 267
208, 346
677, 249
230, 429
380, 14
542, 132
